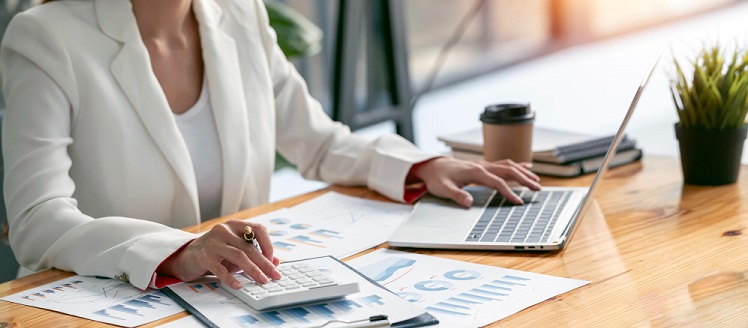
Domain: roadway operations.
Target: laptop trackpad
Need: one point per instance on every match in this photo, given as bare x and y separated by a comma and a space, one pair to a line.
434, 212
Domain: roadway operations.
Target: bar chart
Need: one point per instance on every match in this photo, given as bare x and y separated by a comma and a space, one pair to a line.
331, 224
458, 292
101, 299
304, 315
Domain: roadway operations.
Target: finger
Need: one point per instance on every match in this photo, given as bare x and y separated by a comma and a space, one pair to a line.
514, 173
263, 238
524, 168
239, 258
490, 180
264, 262
450, 190
258, 259
220, 271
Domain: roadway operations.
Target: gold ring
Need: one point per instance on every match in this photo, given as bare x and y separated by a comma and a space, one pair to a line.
249, 235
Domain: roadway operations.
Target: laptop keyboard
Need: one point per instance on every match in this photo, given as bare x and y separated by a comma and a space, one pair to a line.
532, 222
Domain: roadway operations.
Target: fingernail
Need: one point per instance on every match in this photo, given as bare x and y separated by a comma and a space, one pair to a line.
276, 274
467, 200
236, 285
264, 279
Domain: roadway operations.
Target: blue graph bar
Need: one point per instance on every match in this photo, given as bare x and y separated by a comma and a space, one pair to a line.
451, 306
507, 283
124, 309
516, 278
462, 301
447, 312
372, 300
346, 305
487, 293
245, 320
106, 314
140, 304
305, 239
488, 286
327, 233
283, 246
475, 297
272, 318
323, 311
298, 314
153, 298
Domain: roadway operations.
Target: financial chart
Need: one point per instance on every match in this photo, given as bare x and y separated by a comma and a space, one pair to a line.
459, 292
101, 299
332, 224
225, 310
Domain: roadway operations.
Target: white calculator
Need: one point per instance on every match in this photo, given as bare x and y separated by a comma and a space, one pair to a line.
300, 283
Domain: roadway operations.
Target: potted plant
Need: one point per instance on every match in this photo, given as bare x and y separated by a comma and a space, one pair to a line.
712, 102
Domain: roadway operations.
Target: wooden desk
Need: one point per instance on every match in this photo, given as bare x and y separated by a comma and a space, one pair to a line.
663, 254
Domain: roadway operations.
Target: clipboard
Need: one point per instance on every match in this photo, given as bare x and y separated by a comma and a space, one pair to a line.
425, 319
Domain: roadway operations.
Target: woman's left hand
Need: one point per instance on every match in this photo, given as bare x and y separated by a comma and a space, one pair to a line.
445, 177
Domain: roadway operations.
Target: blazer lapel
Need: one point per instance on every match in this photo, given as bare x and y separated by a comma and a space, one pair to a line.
132, 70
226, 88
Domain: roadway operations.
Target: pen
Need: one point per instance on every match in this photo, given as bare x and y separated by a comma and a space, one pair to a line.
373, 321
370, 322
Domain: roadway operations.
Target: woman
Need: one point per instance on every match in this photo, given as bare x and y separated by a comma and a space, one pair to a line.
129, 119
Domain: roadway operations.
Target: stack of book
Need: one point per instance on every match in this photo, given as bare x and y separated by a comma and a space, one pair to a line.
555, 153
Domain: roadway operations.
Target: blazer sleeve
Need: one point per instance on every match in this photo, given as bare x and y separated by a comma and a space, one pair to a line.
327, 150
46, 227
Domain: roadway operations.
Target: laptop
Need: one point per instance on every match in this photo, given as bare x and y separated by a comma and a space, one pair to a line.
546, 222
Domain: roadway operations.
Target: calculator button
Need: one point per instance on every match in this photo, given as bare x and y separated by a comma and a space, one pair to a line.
299, 283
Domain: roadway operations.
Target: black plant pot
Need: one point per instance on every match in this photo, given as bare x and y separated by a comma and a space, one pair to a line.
710, 157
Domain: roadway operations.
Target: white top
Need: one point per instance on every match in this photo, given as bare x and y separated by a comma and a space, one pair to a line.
198, 128
91, 147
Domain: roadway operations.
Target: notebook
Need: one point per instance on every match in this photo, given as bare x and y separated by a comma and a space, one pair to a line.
546, 221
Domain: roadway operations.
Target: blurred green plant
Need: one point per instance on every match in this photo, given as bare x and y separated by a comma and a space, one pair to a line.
297, 36
716, 96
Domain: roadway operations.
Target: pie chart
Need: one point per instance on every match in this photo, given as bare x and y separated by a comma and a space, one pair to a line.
462, 275
433, 285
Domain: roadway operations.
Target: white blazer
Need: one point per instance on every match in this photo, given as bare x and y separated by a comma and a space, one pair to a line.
97, 174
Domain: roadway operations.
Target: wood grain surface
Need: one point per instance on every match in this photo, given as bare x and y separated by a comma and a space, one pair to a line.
658, 253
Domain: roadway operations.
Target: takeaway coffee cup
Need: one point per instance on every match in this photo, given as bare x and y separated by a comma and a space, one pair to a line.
507, 132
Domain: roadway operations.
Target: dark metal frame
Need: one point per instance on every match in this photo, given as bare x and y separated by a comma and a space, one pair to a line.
388, 91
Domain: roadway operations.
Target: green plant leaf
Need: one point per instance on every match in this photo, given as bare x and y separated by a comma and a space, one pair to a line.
297, 36
716, 96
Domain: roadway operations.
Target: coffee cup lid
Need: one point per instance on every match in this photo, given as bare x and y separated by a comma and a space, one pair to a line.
508, 114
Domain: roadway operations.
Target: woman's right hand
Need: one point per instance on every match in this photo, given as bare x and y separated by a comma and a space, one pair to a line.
223, 251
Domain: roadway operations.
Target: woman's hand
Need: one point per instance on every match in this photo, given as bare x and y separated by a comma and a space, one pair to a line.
445, 177
223, 251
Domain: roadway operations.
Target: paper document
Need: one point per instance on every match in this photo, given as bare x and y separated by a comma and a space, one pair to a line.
331, 224
457, 292
100, 299
225, 310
